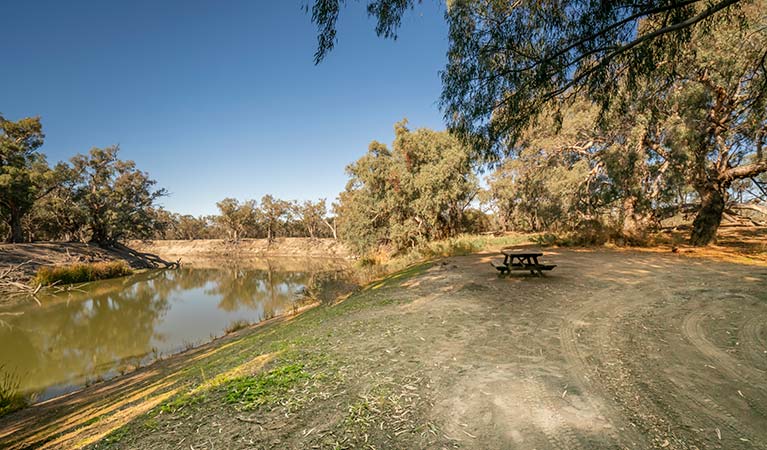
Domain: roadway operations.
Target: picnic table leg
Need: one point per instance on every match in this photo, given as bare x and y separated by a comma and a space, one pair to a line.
537, 264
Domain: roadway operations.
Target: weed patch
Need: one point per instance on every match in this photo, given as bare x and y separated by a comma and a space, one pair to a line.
265, 388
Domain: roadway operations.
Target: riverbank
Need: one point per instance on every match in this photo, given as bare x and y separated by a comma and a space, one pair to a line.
19, 263
614, 349
245, 248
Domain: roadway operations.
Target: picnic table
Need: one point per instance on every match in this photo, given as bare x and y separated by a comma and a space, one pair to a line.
515, 259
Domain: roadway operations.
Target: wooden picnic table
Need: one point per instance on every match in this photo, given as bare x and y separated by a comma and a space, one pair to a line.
514, 259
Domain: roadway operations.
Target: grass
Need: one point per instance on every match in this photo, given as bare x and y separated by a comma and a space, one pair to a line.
10, 398
279, 370
81, 273
379, 265
264, 388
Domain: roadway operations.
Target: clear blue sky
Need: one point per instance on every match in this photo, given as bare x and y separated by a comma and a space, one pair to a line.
218, 98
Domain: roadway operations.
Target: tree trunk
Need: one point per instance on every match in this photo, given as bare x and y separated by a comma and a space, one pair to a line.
708, 218
17, 230
635, 224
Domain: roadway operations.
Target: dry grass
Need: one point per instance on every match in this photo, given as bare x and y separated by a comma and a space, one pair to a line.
237, 325
81, 273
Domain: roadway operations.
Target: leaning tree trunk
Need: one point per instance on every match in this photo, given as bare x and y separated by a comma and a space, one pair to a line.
708, 218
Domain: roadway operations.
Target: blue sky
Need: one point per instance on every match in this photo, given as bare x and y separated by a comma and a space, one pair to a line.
218, 98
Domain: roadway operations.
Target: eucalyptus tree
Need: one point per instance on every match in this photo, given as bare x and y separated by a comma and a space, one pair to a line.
118, 198
402, 197
273, 215
24, 173
237, 218
311, 215
711, 120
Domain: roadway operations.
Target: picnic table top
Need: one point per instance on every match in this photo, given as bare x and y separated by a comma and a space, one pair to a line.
520, 252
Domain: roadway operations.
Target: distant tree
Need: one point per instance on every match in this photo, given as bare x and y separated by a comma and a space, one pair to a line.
118, 198
24, 173
330, 221
510, 60
235, 217
413, 193
273, 214
188, 227
311, 215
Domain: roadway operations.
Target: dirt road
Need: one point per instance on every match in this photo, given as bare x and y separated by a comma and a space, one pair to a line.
614, 349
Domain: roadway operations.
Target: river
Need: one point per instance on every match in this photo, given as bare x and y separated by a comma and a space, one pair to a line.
105, 328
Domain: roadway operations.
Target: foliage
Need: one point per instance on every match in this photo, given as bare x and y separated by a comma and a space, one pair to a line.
311, 215
117, 197
24, 173
273, 215
235, 217
253, 391
508, 61
81, 273
411, 194
712, 121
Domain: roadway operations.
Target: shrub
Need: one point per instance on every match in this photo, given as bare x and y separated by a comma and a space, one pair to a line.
81, 273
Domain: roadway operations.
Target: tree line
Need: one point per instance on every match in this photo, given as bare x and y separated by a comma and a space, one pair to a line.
97, 197
629, 114
94, 197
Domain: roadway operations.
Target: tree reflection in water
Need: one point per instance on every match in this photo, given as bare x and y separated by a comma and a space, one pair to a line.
92, 333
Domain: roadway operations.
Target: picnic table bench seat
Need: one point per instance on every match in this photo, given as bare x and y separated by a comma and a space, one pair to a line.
522, 260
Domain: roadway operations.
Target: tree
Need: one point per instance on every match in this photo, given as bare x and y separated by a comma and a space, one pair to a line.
413, 193
236, 217
59, 215
24, 173
508, 61
711, 121
189, 227
117, 197
273, 214
312, 215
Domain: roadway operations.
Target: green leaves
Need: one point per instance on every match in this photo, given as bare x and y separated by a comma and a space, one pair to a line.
402, 197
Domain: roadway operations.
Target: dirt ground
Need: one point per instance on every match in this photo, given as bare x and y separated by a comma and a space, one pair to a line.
613, 349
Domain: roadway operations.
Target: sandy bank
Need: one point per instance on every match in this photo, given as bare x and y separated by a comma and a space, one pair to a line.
293, 247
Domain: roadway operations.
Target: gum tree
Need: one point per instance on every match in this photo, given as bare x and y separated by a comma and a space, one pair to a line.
118, 198
24, 173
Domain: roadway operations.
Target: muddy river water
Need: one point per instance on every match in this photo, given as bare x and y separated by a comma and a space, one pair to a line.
105, 328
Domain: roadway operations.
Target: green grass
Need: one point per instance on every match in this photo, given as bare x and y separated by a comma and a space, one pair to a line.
264, 388
181, 402
81, 273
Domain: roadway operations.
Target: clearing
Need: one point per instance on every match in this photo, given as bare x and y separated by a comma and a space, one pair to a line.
613, 349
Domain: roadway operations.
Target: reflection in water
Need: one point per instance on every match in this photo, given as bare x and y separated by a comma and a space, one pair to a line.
98, 331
